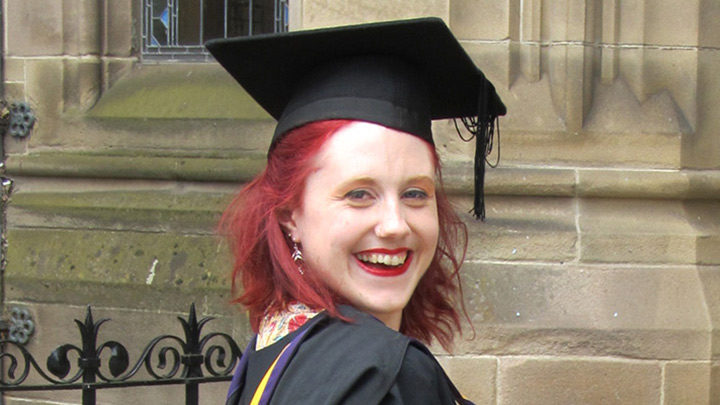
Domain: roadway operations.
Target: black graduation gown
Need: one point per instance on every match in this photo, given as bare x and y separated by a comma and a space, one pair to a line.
361, 362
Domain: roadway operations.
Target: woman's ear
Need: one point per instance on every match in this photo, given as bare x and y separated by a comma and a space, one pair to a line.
286, 218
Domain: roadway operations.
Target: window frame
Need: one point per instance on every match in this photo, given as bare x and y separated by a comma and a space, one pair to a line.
174, 52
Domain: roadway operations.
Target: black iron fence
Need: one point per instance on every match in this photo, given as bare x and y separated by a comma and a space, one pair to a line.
166, 360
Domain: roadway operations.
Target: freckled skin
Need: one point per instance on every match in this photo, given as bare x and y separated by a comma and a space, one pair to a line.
373, 188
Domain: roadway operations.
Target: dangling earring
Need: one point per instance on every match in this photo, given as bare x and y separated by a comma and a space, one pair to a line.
297, 255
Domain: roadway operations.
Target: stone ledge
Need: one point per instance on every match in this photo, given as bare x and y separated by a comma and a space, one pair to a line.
649, 231
154, 207
134, 166
458, 177
160, 260
517, 228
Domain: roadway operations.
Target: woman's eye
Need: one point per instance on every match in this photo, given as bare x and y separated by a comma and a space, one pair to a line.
358, 195
415, 194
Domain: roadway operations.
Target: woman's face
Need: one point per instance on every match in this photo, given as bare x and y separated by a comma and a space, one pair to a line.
368, 222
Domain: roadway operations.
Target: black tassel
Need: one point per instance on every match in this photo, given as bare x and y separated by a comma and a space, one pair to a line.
482, 129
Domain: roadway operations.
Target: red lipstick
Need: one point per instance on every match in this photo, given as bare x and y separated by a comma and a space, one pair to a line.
385, 271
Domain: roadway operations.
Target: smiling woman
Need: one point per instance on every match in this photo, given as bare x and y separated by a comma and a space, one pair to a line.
347, 252
368, 222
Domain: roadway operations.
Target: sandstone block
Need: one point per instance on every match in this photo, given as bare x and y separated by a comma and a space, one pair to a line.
15, 91
115, 69
701, 150
81, 83
543, 309
458, 178
710, 279
45, 92
485, 19
35, 28
578, 381
521, 229
184, 92
14, 69
708, 31
686, 383
74, 165
673, 22
120, 22
475, 377
81, 27
324, 13
163, 260
626, 183
497, 62
637, 231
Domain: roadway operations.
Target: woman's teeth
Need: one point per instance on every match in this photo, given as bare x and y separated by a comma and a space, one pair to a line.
379, 258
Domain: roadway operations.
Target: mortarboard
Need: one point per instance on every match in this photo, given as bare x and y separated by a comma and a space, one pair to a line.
399, 74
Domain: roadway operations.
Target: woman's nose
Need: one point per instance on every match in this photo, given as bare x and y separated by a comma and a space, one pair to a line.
392, 222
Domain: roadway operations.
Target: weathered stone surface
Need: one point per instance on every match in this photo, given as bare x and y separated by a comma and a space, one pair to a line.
543, 309
15, 91
638, 231
686, 383
475, 377
35, 26
44, 90
14, 69
681, 17
458, 178
121, 21
714, 382
324, 13
82, 83
128, 206
130, 166
201, 91
215, 138
81, 27
526, 380
497, 60
115, 69
708, 31
703, 149
632, 183
522, 229
710, 279
485, 19
190, 261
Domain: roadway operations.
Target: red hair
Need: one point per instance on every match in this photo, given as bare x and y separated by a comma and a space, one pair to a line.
269, 277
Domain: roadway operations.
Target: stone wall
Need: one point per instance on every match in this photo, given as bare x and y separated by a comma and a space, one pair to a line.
595, 278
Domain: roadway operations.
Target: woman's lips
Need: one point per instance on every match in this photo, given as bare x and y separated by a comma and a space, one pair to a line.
384, 262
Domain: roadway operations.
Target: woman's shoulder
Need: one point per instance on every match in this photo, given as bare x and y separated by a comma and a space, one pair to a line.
348, 362
361, 338
421, 379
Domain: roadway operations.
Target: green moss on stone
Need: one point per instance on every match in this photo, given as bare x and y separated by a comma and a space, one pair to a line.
101, 256
182, 91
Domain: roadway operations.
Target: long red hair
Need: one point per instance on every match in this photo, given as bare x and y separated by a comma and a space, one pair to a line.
265, 278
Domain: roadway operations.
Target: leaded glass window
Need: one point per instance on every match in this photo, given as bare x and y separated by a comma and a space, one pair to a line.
177, 29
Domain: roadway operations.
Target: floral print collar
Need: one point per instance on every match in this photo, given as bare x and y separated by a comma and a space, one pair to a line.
276, 326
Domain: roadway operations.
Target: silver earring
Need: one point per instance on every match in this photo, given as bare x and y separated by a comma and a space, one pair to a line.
297, 256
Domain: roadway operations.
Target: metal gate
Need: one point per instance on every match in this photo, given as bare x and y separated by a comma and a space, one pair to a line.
168, 359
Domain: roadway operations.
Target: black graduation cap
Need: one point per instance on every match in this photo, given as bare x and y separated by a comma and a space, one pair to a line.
399, 74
